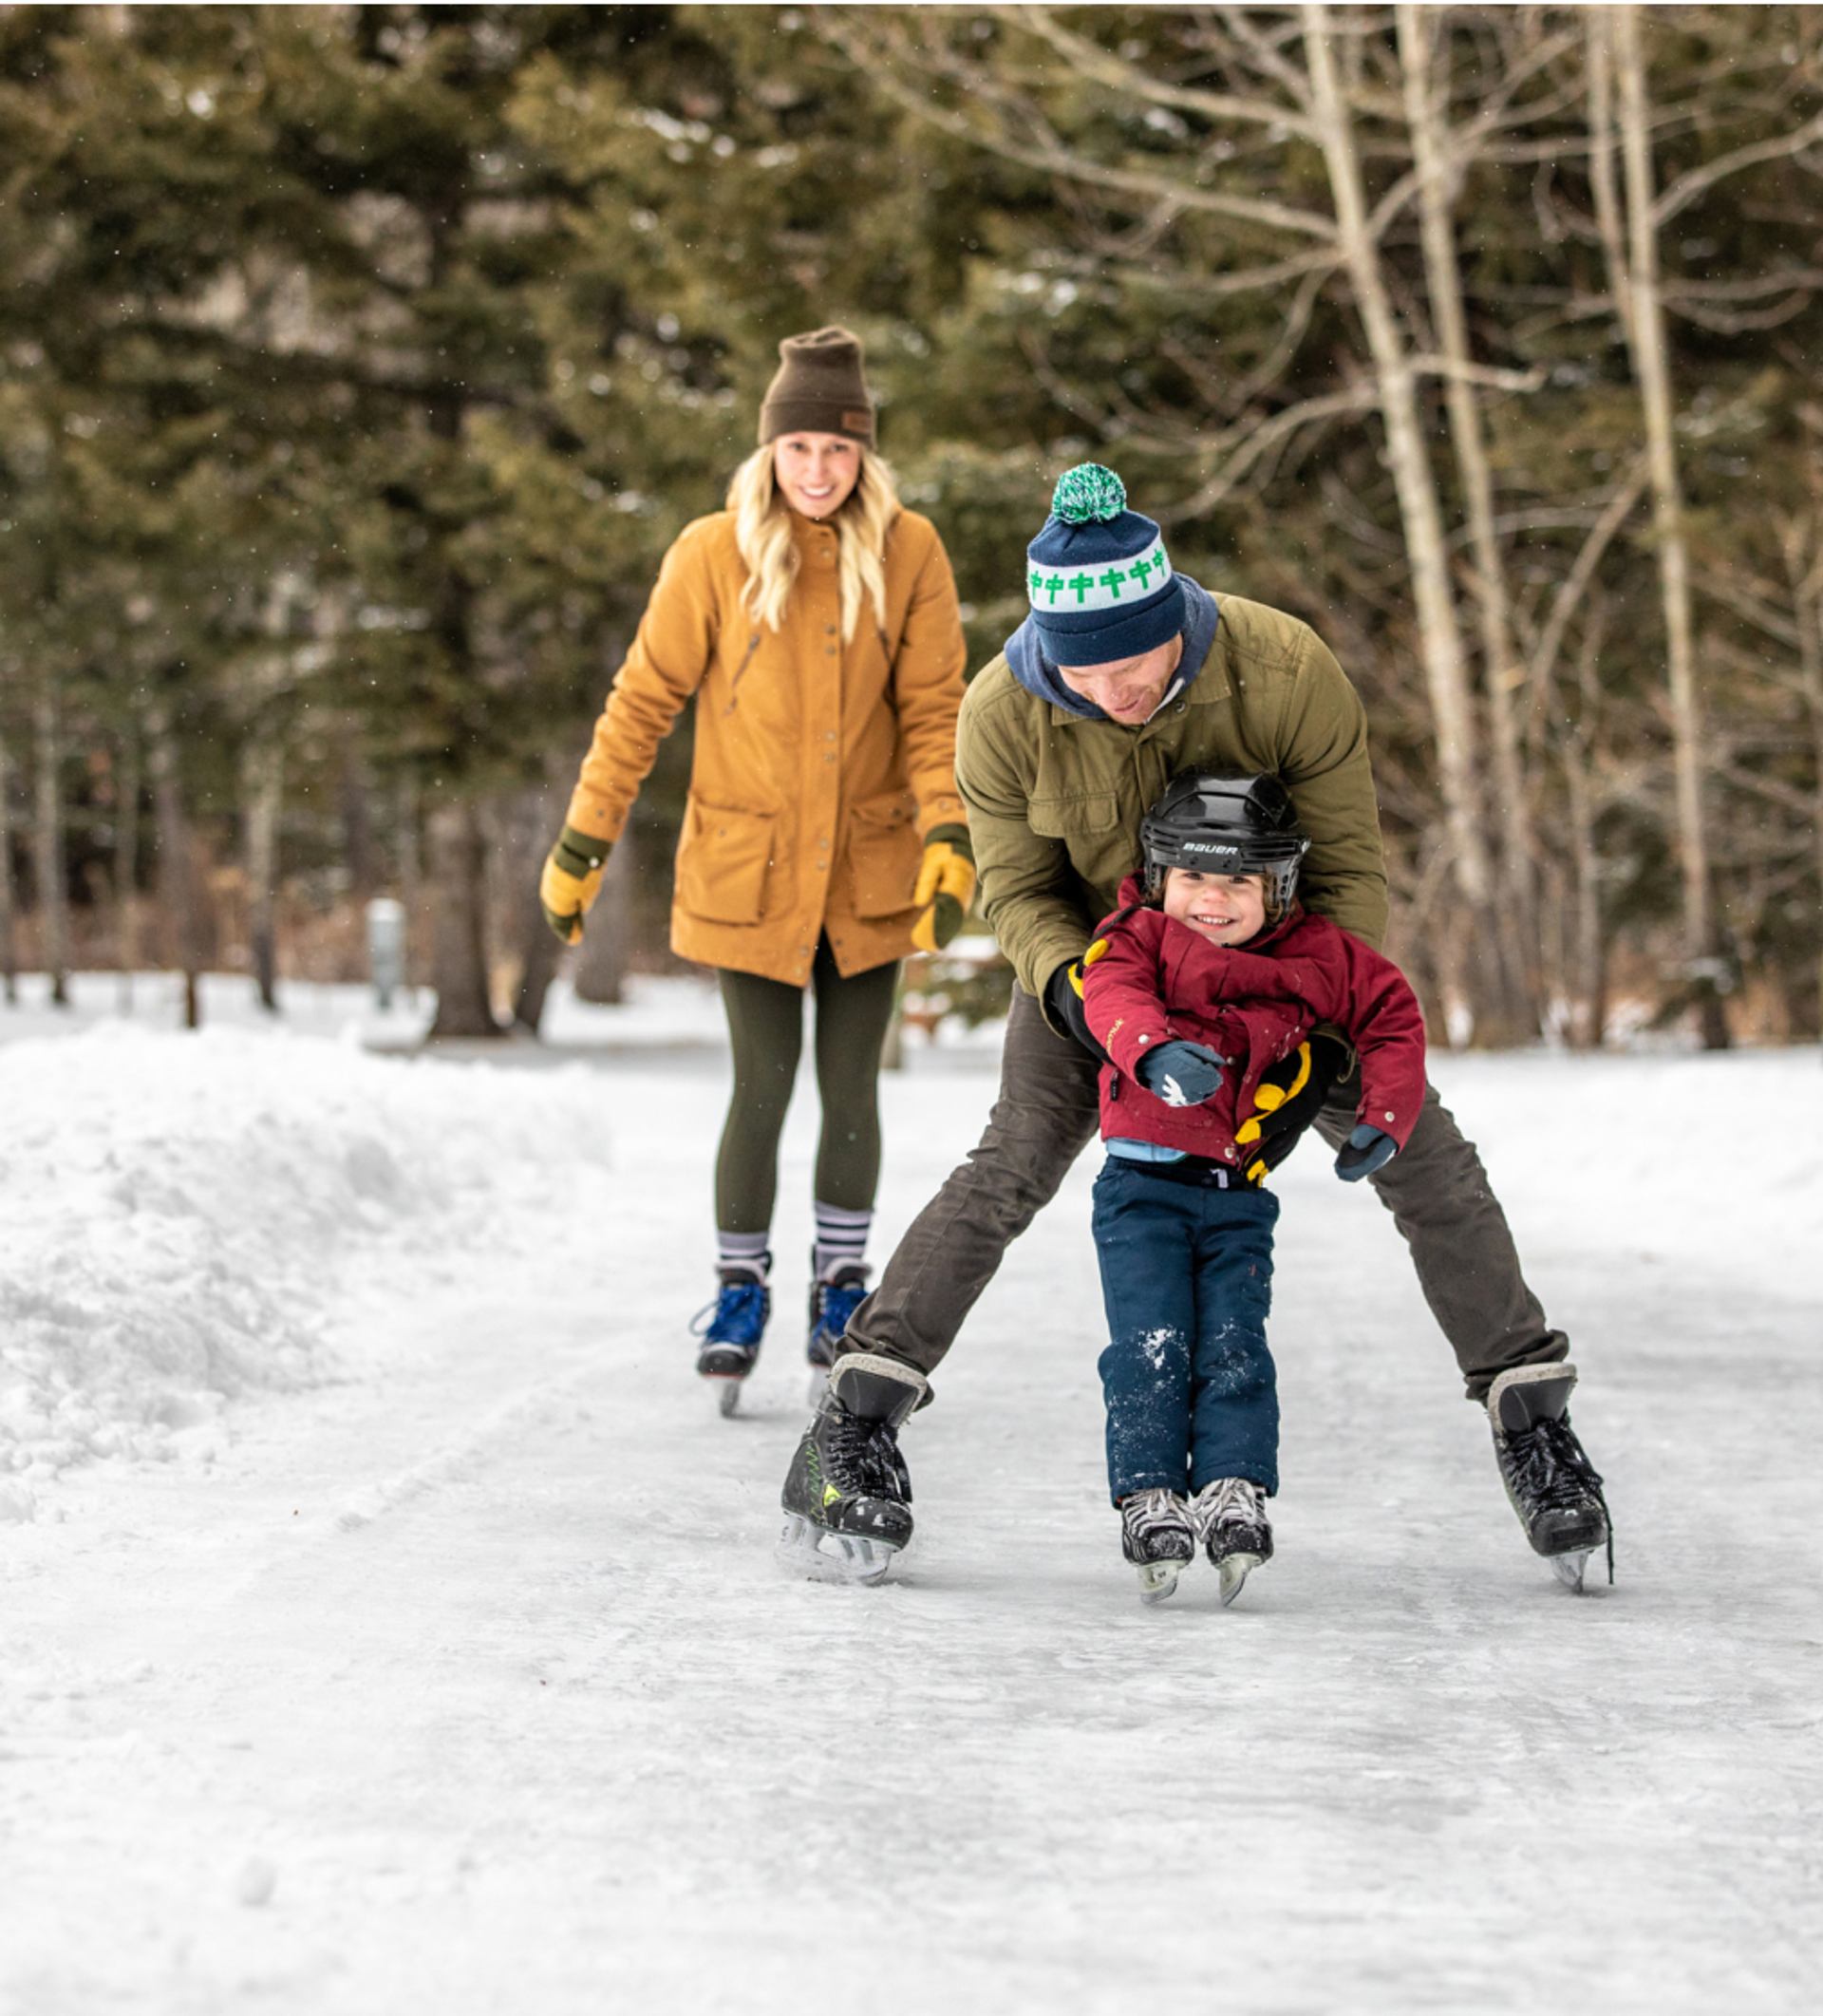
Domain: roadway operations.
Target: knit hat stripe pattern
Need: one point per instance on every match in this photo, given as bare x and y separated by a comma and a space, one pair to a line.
819, 387
1119, 585
1099, 581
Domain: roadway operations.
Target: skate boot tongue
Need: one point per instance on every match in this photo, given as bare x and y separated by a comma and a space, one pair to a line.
874, 1388
1530, 1394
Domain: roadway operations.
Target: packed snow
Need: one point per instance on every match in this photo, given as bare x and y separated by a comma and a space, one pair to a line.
393, 1623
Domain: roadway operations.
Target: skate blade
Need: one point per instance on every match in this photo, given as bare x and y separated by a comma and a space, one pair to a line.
727, 1392
1234, 1571
1570, 1568
833, 1556
1158, 1579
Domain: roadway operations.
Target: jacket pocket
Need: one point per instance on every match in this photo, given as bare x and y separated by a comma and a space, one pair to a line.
722, 863
1062, 818
883, 855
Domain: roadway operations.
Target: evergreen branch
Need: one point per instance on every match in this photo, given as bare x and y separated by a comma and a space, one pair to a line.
1091, 60
1052, 155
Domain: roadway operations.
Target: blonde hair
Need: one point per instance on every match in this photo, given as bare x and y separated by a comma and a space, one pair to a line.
763, 534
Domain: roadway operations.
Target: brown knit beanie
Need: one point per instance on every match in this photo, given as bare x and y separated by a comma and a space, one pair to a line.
819, 388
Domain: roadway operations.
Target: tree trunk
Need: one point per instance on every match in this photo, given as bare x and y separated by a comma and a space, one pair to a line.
180, 885
459, 853
9, 952
356, 801
1503, 673
408, 849
538, 814
1652, 368
539, 955
1440, 641
127, 862
601, 966
1586, 966
1807, 610
263, 788
47, 844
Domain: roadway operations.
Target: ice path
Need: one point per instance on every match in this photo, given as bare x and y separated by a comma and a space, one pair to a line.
483, 1652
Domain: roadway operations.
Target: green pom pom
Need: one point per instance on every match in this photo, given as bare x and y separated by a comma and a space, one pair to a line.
1088, 495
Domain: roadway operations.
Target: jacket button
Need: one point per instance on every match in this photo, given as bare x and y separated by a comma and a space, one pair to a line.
829, 630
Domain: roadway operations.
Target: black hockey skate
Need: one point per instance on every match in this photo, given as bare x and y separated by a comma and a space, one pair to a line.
1231, 1522
1157, 1537
848, 1495
731, 1328
1553, 1486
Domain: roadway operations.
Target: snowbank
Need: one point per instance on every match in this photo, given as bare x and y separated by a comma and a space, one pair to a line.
175, 1212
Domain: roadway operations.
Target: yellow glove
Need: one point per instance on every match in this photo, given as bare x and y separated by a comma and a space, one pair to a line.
945, 887
571, 879
1287, 1099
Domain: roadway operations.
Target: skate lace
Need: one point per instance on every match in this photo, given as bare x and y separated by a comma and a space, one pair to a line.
836, 1303
737, 1314
864, 1458
1229, 1502
1147, 1513
1553, 1471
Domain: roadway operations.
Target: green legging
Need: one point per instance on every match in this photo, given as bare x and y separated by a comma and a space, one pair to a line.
766, 1027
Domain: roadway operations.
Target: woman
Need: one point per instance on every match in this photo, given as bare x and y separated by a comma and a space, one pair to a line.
824, 839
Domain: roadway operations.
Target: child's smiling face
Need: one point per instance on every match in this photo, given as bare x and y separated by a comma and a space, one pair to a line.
1225, 909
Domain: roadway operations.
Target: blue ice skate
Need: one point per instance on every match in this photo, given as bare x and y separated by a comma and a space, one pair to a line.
731, 1328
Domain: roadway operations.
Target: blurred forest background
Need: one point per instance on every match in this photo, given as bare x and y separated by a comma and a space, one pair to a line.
361, 362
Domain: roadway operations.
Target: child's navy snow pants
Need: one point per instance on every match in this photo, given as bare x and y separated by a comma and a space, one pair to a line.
1187, 1277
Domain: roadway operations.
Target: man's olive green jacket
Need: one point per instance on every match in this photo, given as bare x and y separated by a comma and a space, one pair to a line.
1054, 799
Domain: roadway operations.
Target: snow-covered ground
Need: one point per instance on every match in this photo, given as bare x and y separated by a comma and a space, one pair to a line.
390, 1624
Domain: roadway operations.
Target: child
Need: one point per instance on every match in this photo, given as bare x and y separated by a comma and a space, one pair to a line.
1208, 974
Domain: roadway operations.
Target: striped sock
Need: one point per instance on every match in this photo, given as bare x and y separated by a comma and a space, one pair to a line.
744, 1252
841, 1238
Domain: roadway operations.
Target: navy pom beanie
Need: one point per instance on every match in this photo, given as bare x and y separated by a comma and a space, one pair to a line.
1098, 576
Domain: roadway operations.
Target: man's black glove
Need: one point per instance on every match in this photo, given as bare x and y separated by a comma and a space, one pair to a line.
1289, 1098
1063, 997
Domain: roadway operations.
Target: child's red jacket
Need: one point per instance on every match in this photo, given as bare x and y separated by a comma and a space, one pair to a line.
1252, 1004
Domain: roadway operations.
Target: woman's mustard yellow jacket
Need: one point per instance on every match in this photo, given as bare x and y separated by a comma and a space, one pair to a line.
818, 767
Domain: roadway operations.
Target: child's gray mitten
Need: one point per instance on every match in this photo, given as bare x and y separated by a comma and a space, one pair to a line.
1180, 1073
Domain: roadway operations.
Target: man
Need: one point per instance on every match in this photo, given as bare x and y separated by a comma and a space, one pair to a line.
1124, 674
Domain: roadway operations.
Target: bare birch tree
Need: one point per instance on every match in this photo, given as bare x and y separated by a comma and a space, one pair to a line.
1646, 329
1439, 169
1420, 510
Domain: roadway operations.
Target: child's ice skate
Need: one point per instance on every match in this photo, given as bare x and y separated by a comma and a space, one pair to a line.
731, 1328
1157, 1537
1229, 1517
